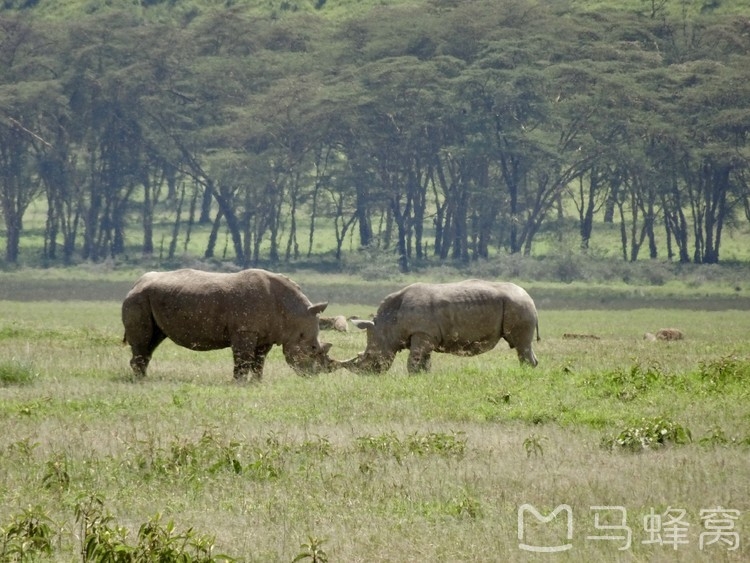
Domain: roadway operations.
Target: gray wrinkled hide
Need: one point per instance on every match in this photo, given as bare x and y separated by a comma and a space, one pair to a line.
464, 318
249, 312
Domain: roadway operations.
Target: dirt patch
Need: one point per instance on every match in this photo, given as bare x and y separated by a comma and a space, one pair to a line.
64, 290
104, 290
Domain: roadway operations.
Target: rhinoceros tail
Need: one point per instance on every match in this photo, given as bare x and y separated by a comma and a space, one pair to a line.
538, 338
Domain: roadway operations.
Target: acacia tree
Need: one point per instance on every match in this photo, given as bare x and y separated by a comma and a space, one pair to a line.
398, 126
660, 147
586, 133
402, 85
18, 187
474, 119
104, 101
339, 204
341, 161
28, 94
52, 143
57, 172
708, 64
719, 158
164, 113
295, 127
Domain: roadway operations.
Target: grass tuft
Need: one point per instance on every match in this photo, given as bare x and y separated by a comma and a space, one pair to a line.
14, 372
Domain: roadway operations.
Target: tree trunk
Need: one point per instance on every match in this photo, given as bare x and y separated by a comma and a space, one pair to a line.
147, 215
176, 224
213, 236
191, 218
224, 198
460, 226
13, 228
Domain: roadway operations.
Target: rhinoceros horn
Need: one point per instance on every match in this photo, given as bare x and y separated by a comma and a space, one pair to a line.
330, 364
352, 364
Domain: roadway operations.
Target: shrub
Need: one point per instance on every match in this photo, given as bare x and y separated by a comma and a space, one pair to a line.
533, 445
15, 372
717, 438
57, 476
448, 445
28, 536
638, 378
649, 434
312, 551
722, 371
103, 540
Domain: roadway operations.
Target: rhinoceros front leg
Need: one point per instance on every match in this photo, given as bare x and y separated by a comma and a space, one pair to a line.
258, 361
248, 356
420, 351
139, 364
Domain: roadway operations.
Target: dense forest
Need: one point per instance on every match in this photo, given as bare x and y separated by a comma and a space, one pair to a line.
447, 130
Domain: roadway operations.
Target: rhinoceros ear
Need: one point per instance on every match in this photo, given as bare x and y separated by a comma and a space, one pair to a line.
362, 323
317, 308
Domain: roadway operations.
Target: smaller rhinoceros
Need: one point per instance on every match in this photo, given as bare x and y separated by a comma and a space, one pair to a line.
247, 311
337, 323
665, 334
463, 318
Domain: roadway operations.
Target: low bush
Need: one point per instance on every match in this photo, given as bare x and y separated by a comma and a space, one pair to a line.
15, 372
723, 371
103, 539
450, 445
27, 536
649, 434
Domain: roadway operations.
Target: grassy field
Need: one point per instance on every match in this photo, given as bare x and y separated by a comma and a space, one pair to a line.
432, 467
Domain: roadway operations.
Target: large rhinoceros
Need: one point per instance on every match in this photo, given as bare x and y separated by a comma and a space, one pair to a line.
249, 311
463, 318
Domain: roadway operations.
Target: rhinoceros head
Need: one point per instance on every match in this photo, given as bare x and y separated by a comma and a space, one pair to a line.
311, 361
378, 355
304, 351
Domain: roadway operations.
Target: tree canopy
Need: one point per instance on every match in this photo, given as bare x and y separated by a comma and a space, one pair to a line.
438, 129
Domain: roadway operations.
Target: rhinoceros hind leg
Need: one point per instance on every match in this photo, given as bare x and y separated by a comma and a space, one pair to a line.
526, 356
520, 337
142, 352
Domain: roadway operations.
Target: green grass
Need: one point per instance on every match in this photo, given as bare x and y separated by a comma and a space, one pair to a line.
13, 372
391, 467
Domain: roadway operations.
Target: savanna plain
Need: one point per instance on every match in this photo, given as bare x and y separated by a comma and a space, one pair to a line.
646, 442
